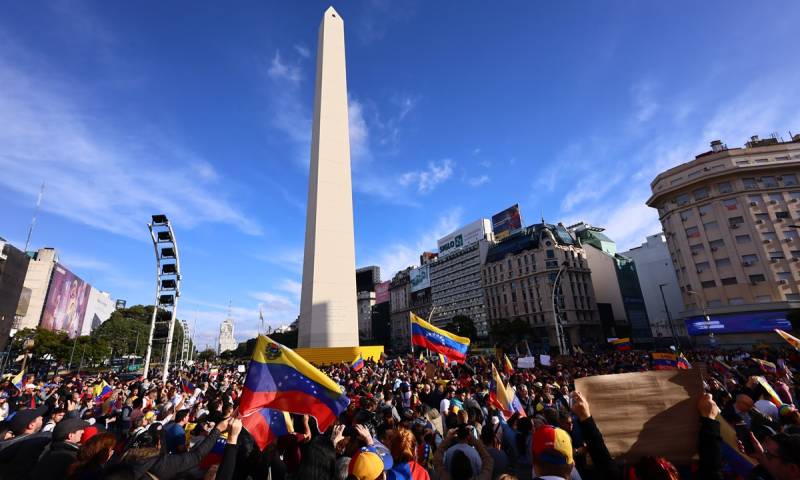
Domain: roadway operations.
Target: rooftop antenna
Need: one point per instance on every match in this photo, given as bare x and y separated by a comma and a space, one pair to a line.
33, 220
541, 211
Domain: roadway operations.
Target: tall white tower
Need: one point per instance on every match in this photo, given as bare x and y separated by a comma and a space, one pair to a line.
227, 341
328, 315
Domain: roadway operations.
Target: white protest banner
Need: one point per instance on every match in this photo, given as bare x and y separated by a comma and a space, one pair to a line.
240, 369
526, 362
646, 413
544, 360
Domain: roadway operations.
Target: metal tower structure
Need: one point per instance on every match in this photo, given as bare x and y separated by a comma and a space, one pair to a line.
168, 279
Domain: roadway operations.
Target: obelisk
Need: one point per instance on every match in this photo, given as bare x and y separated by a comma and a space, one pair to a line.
328, 316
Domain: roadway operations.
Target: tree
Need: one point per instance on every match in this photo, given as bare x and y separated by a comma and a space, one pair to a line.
208, 354
463, 326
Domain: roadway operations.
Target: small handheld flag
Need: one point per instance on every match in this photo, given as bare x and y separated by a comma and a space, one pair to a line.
792, 340
17, 380
503, 397
622, 344
507, 366
358, 363
766, 367
664, 361
266, 425
773, 395
443, 359
683, 363
103, 392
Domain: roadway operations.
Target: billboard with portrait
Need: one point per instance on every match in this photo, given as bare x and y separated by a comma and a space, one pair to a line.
66, 302
420, 278
739, 323
506, 222
381, 292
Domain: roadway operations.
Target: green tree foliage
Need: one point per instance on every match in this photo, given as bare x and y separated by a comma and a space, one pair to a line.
507, 333
209, 354
463, 326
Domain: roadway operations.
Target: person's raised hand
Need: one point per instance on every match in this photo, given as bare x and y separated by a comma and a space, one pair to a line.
758, 449
580, 406
363, 433
707, 406
234, 429
223, 424
337, 435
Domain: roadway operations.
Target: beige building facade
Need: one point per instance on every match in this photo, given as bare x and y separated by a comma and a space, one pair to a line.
730, 218
40, 270
518, 279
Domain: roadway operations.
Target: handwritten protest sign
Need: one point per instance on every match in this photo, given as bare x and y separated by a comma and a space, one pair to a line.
646, 413
526, 362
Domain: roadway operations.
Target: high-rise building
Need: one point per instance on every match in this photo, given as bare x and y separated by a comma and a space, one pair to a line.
730, 217
659, 285
227, 341
519, 275
98, 309
13, 269
616, 286
366, 279
404, 299
455, 276
328, 309
37, 280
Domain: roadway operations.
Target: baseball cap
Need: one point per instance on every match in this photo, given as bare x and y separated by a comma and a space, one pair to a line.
67, 426
552, 445
23, 418
368, 464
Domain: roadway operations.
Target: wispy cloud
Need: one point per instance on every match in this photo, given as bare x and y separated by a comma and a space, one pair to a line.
478, 181
302, 50
644, 100
97, 176
279, 69
290, 259
209, 316
425, 181
290, 286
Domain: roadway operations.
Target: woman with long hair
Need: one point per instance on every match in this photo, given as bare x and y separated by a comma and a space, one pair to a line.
92, 457
403, 447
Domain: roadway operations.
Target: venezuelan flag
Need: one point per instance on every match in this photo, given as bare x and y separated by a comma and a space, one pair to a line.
443, 359
507, 366
503, 398
773, 395
664, 361
281, 379
357, 364
683, 363
734, 462
266, 425
214, 457
766, 367
17, 380
425, 335
102, 392
187, 387
622, 344
793, 341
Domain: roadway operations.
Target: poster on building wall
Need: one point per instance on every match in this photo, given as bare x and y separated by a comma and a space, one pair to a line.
420, 278
381, 292
66, 302
506, 222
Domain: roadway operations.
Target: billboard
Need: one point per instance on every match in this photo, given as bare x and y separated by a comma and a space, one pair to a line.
506, 222
739, 323
121, 304
382, 292
420, 278
66, 302
471, 233
98, 310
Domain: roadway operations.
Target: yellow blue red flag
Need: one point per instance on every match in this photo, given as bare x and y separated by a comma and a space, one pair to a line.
433, 338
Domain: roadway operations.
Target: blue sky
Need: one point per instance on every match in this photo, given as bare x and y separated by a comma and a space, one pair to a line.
458, 110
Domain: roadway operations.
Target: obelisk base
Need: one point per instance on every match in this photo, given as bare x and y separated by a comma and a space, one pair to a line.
333, 355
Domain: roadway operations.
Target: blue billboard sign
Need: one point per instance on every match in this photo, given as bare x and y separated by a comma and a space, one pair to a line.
739, 323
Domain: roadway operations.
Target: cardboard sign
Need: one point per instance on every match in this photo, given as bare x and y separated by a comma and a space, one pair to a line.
646, 413
526, 362
430, 371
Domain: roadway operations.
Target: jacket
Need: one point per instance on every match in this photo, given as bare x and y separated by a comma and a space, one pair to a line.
19, 455
55, 461
164, 466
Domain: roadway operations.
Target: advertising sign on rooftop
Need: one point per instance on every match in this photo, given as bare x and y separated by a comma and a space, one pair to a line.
382, 292
66, 302
420, 278
467, 235
739, 323
506, 222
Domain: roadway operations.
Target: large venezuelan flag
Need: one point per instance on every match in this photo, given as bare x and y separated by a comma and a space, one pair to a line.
425, 335
622, 344
267, 425
502, 397
279, 378
793, 341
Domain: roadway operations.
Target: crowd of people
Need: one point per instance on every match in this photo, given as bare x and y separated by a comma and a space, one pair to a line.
407, 419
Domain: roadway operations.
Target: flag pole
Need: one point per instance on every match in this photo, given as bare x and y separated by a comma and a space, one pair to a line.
430, 318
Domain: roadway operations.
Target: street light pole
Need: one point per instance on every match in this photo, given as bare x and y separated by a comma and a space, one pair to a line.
562, 345
705, 314
669, 317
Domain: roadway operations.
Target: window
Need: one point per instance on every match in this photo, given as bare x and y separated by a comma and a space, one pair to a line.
724, 187
790, 234
704, 210
736, 301
711, 226
762, 160
749, 259
790, 180
775, 197
696, 249
792, 297
762, 217
770, 236
742, 162
763, 298
794, 195
784, 276
692, 232
735, 221
708, 284
795, 253
742, 239
757, 278
728, 281
776, 255
716, 244
700, 193
769, 182
702, 267
686, 215
714, 303
675, 180
783, 215
754, 198
730, 204
682, 199
723, 262
749, 183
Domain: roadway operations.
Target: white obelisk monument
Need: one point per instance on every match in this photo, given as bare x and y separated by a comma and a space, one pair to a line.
328, 316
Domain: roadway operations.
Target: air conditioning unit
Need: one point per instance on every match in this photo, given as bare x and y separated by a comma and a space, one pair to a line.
773, 202
753, 204
747, 264
713, 249
734, 225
